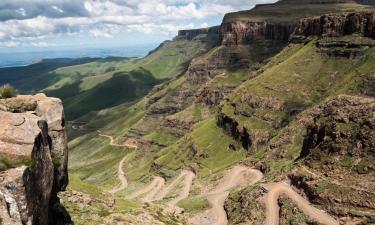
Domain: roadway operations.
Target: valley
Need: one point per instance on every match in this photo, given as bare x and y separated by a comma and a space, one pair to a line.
268, 118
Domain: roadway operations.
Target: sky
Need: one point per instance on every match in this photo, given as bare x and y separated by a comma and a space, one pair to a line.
54, 24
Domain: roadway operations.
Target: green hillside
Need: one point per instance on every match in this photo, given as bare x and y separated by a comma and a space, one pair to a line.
87, 85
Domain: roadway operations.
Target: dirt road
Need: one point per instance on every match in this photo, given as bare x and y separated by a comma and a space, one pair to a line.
154, 183
159, 183
188, 181
121, 176
173, 184
113, 142
237, 176
272, 208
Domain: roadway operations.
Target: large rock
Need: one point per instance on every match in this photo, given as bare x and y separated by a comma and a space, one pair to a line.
32, 131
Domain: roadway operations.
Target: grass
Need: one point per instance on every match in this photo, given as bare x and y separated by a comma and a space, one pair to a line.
76, 183
7, 162
100, 166
126, 205
7, 91
193, 205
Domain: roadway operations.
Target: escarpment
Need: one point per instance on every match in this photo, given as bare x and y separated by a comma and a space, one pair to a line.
336, 25
241, 33
34, 157
191, 34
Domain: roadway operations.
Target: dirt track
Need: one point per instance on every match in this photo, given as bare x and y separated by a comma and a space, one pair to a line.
235, 177
121, 177
272, 208
113, 143
188, 181
155, 183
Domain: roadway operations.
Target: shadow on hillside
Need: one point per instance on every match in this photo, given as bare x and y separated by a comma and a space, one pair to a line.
121, 88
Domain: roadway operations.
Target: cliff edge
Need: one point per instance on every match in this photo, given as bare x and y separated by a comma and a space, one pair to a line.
33, 160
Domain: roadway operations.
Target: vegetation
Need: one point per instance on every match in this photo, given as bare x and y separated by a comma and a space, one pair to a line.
7, 91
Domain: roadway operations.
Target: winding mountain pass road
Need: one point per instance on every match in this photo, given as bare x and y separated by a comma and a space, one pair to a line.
238, 175
121, 177
120, 173
157, 190
113, 142
161, 195
158, 185
184, 193
272, 208
157, 181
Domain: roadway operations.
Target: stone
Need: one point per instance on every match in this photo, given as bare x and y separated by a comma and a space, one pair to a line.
32, 129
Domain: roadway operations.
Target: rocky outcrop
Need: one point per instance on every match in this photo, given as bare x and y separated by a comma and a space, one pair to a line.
32, 131
336, 25
345, 49
344, 126
240, 33
191, 34
234, 129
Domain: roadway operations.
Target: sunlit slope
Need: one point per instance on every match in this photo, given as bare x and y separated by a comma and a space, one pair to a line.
35, 77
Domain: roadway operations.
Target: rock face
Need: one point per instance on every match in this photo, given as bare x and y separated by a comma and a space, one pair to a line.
240, 33
336, 25
235, 130
343, 127
32, 131
191, 34
338, 150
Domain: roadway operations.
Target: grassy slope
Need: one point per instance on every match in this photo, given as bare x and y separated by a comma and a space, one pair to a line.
299, 77
35, 77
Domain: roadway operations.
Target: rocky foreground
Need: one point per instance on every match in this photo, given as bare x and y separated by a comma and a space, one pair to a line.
32, 133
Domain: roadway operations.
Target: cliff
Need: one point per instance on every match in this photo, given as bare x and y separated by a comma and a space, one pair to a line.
191, 34
34, 157
240, 33
336, 25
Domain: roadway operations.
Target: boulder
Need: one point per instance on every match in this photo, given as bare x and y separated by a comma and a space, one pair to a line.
33, 133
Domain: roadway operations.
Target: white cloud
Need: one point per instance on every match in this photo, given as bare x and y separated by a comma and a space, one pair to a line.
41, 19
21, 11
57, 9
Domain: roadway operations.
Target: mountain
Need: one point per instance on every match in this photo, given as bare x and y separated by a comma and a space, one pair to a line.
267, 118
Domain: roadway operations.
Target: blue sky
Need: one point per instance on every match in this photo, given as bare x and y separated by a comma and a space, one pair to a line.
54, 24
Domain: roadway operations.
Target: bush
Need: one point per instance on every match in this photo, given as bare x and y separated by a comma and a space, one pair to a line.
7, 91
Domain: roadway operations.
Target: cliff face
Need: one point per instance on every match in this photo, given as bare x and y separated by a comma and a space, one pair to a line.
343, 127
340, 143
191, 34
32, 133
336, 25
240, 33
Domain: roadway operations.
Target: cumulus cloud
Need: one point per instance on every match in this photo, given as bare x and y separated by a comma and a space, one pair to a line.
22, 20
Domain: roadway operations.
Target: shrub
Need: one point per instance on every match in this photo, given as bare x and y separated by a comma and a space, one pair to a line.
7, 91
